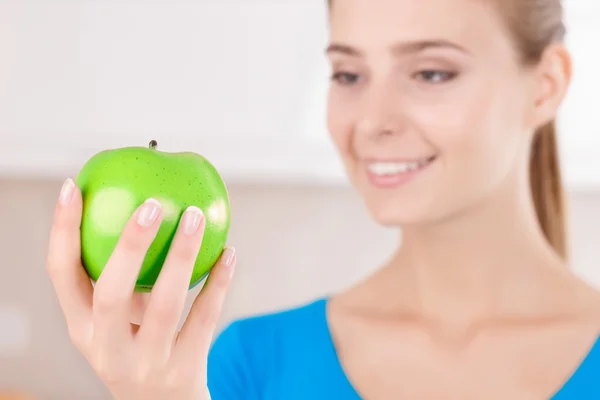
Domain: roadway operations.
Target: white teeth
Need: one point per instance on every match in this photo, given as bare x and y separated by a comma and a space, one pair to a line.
394, 168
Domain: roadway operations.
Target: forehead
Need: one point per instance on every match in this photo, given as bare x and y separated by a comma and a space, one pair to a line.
474, 24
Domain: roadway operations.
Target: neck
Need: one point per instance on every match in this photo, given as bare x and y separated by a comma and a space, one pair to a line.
478, 264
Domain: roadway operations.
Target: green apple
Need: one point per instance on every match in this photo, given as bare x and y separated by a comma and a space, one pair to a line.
115, 182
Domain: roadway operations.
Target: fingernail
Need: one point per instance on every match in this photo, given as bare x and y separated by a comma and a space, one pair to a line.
227, 256
66, 192
192, 217
148, 213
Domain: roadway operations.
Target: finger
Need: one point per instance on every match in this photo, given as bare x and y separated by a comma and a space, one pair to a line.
139, 304
160, 322
71, 283
114, 289
197, 333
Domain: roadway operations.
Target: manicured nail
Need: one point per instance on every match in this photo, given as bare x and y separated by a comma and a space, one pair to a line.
192, 217
66, 192
227, 256
148, 213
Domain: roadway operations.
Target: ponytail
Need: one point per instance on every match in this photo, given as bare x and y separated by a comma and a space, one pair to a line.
547, 188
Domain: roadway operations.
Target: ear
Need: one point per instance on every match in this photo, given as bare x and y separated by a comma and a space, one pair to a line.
553, 80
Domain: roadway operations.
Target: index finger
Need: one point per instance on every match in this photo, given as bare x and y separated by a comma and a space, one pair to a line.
72, 285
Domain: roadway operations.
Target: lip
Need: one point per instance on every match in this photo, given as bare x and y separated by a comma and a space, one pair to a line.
399, 179
370, 160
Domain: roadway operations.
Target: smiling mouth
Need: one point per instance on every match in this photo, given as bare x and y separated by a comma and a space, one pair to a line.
395, 173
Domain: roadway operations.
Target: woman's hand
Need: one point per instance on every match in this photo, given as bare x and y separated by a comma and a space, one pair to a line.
152, 361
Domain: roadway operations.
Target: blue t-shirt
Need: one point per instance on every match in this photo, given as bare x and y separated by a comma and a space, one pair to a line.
289, 355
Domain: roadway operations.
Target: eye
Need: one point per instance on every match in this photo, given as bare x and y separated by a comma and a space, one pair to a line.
345, 78
433, 76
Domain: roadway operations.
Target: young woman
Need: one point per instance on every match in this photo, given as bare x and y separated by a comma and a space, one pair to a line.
443, 114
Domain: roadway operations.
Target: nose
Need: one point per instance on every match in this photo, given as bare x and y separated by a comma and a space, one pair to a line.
381, 114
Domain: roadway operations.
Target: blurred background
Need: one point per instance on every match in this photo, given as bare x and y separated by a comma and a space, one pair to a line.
243, 83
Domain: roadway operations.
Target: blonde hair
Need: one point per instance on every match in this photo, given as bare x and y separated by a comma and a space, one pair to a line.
534, 25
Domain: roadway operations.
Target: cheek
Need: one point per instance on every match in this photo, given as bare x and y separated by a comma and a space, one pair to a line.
454, 120
340, 122
475, 123
477, 136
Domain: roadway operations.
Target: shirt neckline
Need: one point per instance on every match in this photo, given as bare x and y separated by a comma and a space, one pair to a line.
590, 362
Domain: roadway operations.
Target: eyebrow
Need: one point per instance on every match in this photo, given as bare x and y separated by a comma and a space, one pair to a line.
398, 49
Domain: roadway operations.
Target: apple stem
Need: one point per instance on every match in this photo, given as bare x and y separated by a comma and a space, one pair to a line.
153, 144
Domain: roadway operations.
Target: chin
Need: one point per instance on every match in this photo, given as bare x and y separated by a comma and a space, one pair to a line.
412, 202
397, 212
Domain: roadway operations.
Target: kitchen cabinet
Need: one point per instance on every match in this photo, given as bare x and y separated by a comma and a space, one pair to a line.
242, 82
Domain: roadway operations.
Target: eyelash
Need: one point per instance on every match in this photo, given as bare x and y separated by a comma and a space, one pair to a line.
348, 79
340, 77
449, 75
